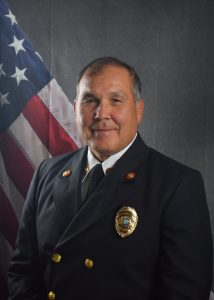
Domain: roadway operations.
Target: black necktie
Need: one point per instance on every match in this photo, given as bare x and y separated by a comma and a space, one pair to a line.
95, 176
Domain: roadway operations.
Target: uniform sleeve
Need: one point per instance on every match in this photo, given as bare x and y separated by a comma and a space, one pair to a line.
26, 270
186, 243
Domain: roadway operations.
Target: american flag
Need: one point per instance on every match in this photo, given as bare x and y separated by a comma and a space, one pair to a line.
36, 119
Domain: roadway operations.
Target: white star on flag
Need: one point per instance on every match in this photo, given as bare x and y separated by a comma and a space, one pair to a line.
3, 99
19, 75
17, 45
1, 71
11, 17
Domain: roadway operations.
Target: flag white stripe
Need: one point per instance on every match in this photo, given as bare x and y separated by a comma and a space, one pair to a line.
28, 141
56, 101
15, 198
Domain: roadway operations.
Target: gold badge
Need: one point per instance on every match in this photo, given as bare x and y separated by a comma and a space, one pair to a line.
126, 221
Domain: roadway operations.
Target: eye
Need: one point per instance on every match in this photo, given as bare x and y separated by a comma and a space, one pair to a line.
116, 100
89, 100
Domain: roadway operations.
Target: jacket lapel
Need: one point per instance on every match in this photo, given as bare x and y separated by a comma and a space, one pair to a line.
112, 191
67, 189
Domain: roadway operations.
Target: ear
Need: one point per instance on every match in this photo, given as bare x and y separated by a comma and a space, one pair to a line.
139, 109
75, 106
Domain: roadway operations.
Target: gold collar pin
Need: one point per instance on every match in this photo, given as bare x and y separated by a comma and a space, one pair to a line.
130, 176
86, 169
66, 173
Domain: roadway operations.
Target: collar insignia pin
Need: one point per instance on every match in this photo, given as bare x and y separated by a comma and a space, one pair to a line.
66, 173
86, 169
130, 175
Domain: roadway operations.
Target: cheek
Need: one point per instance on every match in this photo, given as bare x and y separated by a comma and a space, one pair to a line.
120, 116
124, 118
84, 122
82, 117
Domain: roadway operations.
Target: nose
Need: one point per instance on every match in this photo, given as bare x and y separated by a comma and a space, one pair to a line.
103, 111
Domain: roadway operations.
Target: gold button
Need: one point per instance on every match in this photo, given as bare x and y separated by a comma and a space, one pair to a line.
89, 263
130, 175
51, 295
56, 257
66, 173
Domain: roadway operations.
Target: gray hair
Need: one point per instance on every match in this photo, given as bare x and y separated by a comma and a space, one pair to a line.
97, 65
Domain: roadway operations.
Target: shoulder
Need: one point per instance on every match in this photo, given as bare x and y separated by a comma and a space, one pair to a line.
166, 171
160, 160
157, 166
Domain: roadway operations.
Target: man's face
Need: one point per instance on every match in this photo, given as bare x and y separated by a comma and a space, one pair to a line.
106, 112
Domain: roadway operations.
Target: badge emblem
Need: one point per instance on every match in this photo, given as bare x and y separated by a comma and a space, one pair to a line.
126, 221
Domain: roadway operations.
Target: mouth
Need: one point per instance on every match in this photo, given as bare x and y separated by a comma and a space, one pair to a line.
103, 131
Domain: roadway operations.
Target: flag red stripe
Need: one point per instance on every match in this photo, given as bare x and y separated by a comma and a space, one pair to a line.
8, 220
17, 166
49, 130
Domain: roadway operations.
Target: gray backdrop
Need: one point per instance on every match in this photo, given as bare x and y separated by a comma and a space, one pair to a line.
171, 45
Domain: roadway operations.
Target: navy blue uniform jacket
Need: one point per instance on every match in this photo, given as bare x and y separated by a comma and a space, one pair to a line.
167, 257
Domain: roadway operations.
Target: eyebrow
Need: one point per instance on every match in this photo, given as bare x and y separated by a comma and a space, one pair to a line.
111, 94
119, 93
88, 95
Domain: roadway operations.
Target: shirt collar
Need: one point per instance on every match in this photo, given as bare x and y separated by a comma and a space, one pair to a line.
110, 161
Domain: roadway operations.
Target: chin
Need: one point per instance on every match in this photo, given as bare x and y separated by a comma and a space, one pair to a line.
102, 150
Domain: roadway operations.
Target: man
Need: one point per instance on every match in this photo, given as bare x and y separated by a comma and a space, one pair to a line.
142, 233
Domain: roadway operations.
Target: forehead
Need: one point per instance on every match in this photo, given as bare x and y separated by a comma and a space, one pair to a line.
109, 76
